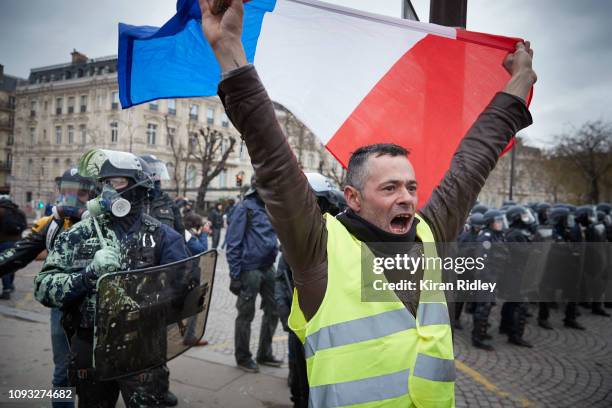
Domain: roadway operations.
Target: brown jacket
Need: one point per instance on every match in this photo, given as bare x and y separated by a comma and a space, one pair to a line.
292, 205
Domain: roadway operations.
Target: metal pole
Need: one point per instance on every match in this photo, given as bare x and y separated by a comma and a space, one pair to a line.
408, 11
512, 157
451, 13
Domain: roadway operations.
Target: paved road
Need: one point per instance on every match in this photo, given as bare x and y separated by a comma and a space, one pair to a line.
566, 368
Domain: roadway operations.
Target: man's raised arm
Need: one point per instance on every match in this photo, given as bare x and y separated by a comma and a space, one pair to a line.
290, 202
477, 154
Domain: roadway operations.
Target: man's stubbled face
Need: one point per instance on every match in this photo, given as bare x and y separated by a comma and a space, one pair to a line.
389, 195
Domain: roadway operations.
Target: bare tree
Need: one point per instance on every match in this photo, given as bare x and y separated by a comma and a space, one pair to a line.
179, 156
588, 151
209, 148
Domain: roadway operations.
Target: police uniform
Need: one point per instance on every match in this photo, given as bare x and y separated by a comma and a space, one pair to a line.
496, 257
64, 282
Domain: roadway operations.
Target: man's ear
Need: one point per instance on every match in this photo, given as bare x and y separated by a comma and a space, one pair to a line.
353, 198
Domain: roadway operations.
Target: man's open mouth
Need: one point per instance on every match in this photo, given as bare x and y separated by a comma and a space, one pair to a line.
400, 223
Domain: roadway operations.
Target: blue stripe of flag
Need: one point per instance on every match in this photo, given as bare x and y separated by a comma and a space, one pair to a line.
176, 60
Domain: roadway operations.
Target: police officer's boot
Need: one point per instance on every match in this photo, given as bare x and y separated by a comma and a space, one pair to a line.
573, 324
597, 309
170, 399
519, 320
478, 340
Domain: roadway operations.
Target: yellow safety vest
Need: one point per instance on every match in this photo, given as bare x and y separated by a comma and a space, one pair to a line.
375, 354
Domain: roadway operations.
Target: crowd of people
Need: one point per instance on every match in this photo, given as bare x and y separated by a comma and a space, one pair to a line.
538, 222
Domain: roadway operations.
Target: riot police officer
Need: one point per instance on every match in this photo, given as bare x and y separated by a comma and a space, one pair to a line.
514, 314
543, 211
74, 192
159, 205
594, 265
466, 241
116, 236
496, 257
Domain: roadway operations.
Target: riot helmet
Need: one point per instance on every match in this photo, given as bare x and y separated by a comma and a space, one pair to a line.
518, 215
606, 208
542, 210
494, 220
586, 215
561, 216
74, 193
125, 183
157, 169
479, 208
329, 197
476, 221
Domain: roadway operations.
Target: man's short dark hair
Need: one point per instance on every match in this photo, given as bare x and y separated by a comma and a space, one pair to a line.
192, 221
357, 169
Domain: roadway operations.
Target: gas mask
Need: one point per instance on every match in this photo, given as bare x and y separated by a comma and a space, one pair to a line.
110, 201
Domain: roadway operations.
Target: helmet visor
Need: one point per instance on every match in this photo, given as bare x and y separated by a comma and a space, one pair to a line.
159, 171
74, 193
527, 218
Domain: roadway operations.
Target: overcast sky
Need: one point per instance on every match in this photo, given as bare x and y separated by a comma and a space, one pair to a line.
572, 40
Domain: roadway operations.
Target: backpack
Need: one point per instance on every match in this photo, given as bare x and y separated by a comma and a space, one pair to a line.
12, 219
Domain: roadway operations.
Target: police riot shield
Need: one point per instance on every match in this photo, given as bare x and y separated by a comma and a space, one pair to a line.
537, 282
149, 316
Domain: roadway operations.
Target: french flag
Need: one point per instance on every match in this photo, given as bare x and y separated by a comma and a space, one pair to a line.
354, 78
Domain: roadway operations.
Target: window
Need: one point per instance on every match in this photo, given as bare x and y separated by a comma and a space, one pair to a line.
224, 120
223, 146
223, 179
45, 135
115, 101
83, 103
151, 132
32, 108
9, 160
10, 140
170, 138
193, 112
71, 104
28, 194
83, 132
193, 140
210, 116
171, 107
59, 102
192, 176
114, 126
154, 106
45, 105
70, 134
58, 135
242, 151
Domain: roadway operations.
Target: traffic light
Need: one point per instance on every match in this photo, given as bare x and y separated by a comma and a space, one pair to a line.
41, 204
239, 180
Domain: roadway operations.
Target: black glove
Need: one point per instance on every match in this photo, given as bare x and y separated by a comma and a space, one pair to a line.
235, 286
283, 314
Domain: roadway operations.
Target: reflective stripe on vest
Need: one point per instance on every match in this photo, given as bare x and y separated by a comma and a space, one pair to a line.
358, 392
354, 331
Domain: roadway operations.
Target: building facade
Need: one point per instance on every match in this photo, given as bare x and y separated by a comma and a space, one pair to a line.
8, 84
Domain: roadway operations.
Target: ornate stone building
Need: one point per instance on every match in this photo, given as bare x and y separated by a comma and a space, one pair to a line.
8, 84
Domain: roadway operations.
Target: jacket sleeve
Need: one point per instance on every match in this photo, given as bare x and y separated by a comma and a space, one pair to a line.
27, 249
173, 246
290, 202
233, 240
475, 158
58, 284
